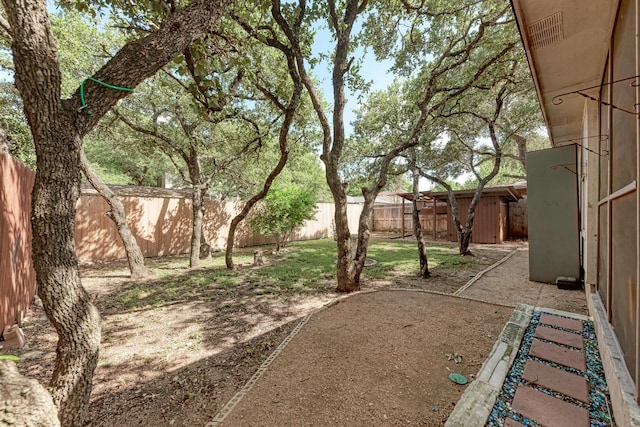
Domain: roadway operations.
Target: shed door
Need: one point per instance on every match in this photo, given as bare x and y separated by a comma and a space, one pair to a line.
553, 214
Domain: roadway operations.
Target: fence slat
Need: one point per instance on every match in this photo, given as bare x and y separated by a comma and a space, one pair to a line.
17, 281
518, 225
388, 219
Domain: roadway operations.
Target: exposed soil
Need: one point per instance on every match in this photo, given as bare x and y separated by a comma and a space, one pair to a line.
178, 363
375, 359
449, 280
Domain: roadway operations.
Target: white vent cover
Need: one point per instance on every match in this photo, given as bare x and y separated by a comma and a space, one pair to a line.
546, 32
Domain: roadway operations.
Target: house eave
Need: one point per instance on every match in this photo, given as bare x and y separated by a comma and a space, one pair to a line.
572, 61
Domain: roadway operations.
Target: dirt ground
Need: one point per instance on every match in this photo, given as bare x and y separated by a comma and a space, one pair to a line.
389, 353
375, 359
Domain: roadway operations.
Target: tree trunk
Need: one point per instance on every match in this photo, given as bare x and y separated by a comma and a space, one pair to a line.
205, 248
351, 265
464, 233
284, 155
231, 236
522, 149
118, 215
24, 402
348, 269
196, 231
66, 303
347, 274
55, 130
417, 227
464, 238
289, 112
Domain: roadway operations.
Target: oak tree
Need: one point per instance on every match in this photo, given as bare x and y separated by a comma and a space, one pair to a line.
57, 126
479, 128
441, 57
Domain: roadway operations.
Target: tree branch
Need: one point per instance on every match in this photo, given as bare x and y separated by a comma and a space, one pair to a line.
153, 133
141, 58
5, 28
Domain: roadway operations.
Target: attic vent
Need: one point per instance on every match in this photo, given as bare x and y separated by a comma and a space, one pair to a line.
546, 32
562, 121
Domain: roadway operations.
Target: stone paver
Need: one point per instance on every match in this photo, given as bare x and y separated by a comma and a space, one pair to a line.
478, 399
555, 353
561, 322
548, 410
556, 379
561, 337
557, 337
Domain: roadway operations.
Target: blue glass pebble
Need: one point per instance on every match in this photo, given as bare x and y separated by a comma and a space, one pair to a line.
598, 393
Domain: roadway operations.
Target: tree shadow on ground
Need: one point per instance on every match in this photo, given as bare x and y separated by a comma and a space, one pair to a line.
178, 346
154, 392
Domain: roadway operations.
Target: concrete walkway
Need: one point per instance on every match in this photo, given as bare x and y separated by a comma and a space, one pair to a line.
509, 284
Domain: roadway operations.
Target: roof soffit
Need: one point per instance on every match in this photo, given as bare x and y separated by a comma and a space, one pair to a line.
563, 63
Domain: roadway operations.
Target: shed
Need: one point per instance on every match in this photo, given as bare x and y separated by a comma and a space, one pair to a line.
491, 221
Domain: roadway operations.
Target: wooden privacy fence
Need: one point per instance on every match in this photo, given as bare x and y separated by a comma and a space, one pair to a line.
495, 219
490, 222
161, 219
17, 277
518, 224
388, 218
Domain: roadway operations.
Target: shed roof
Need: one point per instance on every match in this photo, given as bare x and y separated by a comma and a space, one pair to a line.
510, 192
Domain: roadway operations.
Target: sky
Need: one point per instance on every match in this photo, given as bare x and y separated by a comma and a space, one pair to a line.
377, 72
